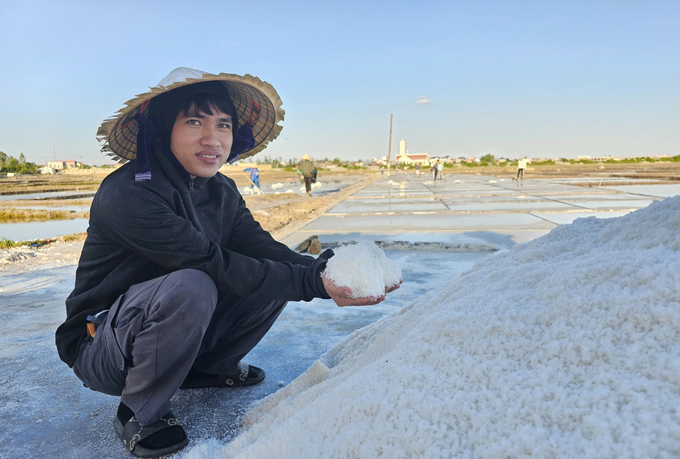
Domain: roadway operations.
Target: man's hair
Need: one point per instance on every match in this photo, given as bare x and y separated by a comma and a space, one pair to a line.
208, 103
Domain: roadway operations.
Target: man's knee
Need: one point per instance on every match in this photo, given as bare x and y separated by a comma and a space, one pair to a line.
192, 287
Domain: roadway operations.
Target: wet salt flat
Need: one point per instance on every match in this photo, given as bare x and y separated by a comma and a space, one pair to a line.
461, 205
664, 191
83, 208
42, 230
56, 194
52, 414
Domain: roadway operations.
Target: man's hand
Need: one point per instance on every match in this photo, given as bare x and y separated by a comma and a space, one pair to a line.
342, 295
395, 286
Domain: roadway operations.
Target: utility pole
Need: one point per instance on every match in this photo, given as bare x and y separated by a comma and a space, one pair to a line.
389, 148
54, 149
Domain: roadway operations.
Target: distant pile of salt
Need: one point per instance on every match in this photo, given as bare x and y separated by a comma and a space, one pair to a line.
315, 185
566, 346
364, 268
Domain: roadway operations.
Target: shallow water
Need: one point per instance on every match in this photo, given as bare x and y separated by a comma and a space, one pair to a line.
42, 230
661, 191
84, 208
56, 194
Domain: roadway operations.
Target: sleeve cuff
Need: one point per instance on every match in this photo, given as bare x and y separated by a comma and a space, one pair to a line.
318, 281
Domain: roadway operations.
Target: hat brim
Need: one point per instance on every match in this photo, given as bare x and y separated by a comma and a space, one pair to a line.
248, 94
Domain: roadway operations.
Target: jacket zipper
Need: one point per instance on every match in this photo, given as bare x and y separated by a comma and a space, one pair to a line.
191, 186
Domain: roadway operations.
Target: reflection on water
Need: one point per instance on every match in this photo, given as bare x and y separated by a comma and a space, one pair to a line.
661, 191
41, 230
84, 208
75, 194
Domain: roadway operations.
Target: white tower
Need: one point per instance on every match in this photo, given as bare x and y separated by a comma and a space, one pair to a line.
402, 147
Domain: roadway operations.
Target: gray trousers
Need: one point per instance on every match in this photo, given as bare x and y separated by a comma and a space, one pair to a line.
158, 330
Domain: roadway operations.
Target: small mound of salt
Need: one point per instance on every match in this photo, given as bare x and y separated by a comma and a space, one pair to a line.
364, 268
276, 186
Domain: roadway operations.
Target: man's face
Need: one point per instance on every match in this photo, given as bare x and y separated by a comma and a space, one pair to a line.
201, 142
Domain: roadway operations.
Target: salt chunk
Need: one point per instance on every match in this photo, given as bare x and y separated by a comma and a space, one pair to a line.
364, 268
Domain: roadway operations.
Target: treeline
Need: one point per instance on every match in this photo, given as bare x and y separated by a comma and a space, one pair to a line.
12, 164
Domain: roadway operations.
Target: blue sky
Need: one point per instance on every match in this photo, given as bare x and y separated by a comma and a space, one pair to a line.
510, 78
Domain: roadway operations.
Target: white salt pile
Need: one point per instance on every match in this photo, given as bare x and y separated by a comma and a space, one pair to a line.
364, 268
276, 186
567, 346
315, 185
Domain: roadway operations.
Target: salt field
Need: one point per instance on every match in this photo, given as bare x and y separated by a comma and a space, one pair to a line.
492, 328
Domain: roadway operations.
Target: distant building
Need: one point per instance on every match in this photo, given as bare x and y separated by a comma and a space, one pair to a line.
47, 170
61, 165
414, 158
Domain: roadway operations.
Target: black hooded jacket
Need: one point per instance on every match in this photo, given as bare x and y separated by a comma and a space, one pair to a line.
142, 230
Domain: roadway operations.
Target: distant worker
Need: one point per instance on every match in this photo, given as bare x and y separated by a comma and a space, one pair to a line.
434, 170
521, 165
440, 170
254, 177
306, 168
417, 170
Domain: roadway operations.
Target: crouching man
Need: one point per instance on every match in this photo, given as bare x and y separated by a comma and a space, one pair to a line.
176, 282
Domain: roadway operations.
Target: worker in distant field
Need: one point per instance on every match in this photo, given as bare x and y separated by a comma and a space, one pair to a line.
521, 165
254, 177
306, 168
440, 170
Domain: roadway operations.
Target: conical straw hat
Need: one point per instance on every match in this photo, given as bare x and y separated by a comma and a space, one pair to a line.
249, 94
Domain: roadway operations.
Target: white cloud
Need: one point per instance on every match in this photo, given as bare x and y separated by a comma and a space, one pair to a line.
423, 101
